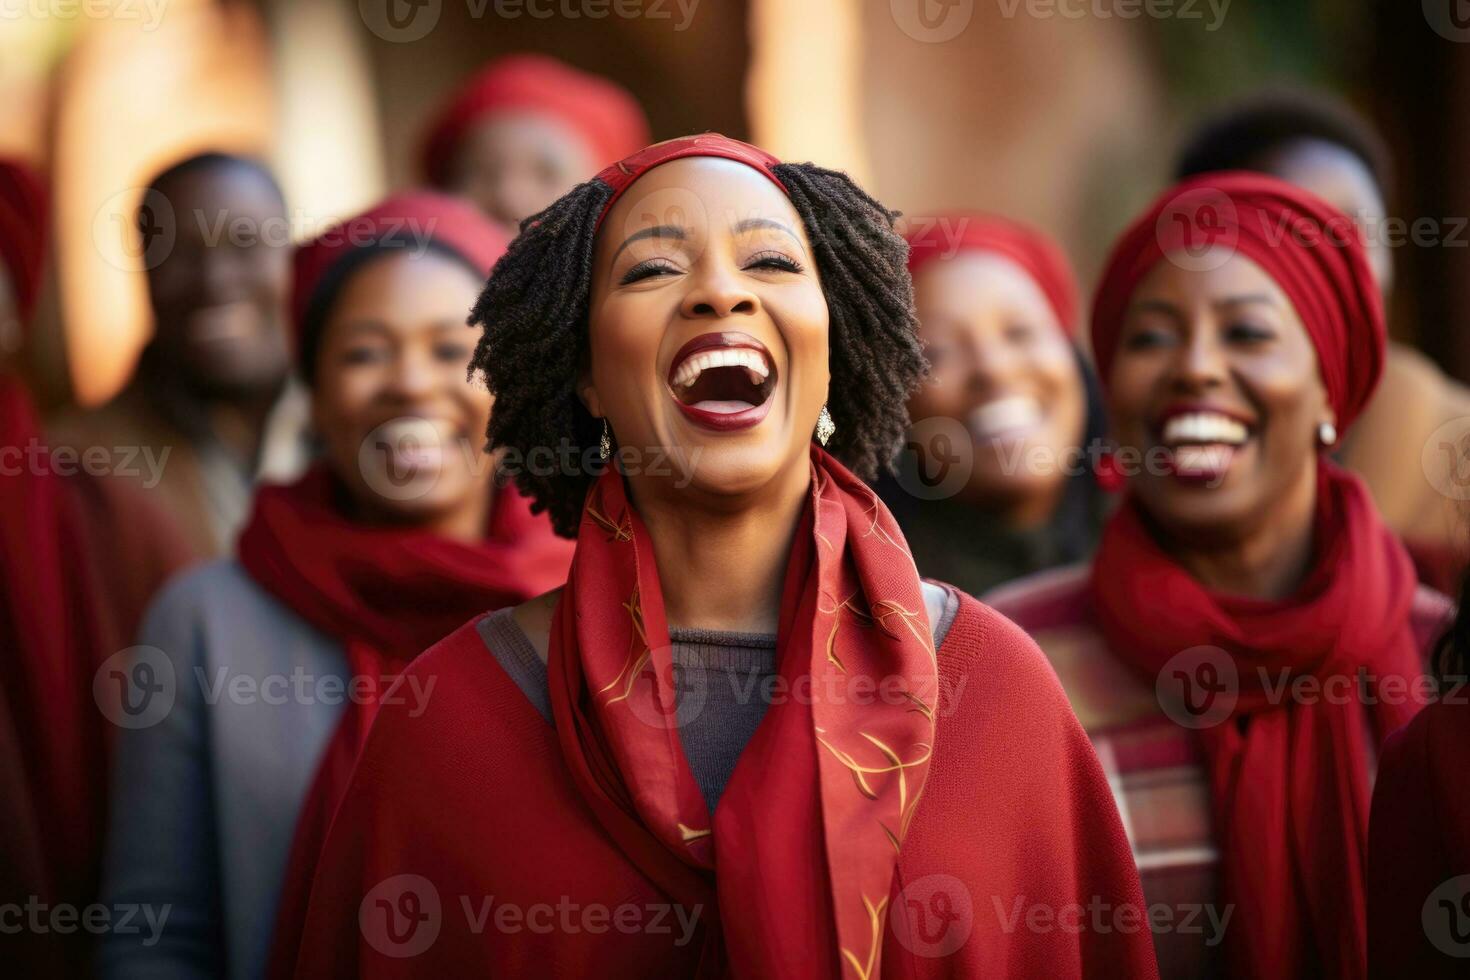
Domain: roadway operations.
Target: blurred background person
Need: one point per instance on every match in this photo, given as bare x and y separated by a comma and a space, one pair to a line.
524, 131
1320, 144
204, 405
1233, 355
395, 538
997, 305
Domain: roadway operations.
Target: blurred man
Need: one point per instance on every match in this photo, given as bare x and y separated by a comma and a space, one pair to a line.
197, 416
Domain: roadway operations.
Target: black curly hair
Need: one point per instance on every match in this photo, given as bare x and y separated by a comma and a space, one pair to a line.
1243, 134
533, 319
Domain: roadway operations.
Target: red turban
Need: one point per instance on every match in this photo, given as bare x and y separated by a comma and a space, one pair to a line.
22, 232
601, 112
1311, 249
1037, 254
415, 218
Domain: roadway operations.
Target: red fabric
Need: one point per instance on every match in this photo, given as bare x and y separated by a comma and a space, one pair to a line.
1041, 258
413, 216
852, 775
53, 631
621, 175
478, 807
22, 232
1311, 249
386, 594
1418, 840
1289, 781
604, 114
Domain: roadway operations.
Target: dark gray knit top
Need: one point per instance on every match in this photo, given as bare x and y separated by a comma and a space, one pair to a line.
723, 683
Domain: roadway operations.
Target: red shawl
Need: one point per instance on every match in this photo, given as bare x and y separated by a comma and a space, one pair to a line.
387, 594
822, 846
467, 825
1290, 781
1419, 847
53, 632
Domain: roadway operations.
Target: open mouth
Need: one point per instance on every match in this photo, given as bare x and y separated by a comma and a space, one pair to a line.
1202, 442
1007, 417
723, 381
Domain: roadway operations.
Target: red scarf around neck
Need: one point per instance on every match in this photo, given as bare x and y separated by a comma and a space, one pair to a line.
805, 838
1290, 781
387, 594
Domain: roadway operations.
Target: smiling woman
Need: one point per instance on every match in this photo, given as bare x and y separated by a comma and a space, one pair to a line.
745, 705
393, 540
1246, 636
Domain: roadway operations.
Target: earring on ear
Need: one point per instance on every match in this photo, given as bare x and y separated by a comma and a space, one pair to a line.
604, 446
1327, 433
825, 426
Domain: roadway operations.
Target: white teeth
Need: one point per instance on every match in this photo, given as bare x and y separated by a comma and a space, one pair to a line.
1005, 414
696, 364
1204, 428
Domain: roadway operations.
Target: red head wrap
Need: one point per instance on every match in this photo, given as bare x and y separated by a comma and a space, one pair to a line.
621, 175
601, 112
1308, 247
415, 218
1037, 254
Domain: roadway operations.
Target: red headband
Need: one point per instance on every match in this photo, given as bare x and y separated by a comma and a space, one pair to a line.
416, 217
621, 175
1312, 251
601, 112
22, 232
1035, 253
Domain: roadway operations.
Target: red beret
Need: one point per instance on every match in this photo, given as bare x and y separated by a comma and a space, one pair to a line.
603, 113
416, 217
1312, 250
1034, 252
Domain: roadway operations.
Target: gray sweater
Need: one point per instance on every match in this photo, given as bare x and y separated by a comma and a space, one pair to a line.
204, 801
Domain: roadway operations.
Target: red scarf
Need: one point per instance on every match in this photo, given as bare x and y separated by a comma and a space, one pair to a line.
1290, 781
52, 633
387, 594
805, 838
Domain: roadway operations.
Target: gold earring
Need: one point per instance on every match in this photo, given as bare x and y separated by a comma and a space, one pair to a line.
825, 426
604, 447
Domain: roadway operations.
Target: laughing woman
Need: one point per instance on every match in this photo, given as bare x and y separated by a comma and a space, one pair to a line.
273, 662
726, 746
997, 307
1246, 588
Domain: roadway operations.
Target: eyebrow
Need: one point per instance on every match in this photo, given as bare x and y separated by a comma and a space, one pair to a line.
1241, 300
675, 232
752, 224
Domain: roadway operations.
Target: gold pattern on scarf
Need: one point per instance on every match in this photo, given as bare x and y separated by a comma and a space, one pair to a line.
639, 653
616, 530
691, 834
864, 969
